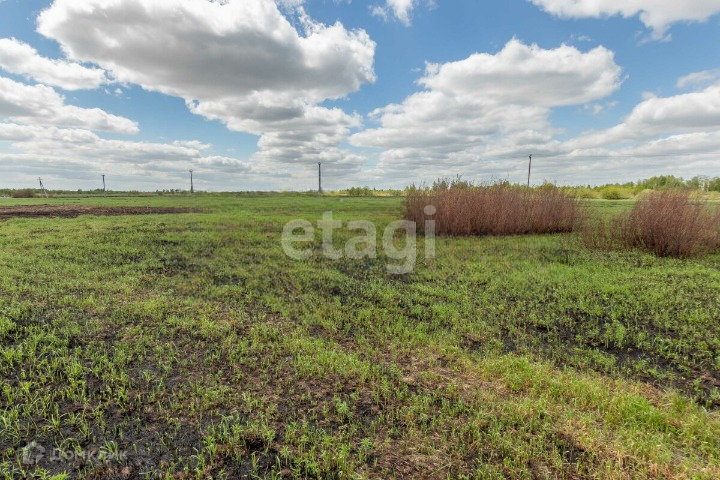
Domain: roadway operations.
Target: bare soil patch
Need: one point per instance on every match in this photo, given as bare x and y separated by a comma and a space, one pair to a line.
73, 211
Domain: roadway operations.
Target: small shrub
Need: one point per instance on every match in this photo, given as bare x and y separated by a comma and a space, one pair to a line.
615, 193
360, 192
24, 193
666, 223
585, 193
500, 209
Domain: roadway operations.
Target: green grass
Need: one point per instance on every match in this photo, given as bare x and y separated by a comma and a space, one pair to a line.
608, 208
190, 346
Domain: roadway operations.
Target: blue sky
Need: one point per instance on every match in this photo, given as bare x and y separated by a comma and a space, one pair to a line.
252, 94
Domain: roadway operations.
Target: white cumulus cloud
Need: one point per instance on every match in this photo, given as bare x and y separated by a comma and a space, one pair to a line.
241, 62
657, 116
401, 10
675, 135
529, 75
21, 59
488, 105
657, 15
698, 79
42, 105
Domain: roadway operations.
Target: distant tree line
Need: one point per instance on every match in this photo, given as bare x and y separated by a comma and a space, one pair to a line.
668, 182
619, 191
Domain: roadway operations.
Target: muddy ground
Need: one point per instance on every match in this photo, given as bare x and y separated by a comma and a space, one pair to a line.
72, 211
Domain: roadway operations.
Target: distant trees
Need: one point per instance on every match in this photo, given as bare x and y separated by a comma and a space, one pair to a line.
669, 182
714, 185
618, 191
360, 192
24, 193
664, 182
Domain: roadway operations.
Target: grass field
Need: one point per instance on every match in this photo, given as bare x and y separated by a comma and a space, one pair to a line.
190, 346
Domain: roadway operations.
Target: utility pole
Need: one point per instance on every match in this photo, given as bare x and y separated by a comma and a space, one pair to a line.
529, 170
319, 177
42, 187
103, 175
192, 188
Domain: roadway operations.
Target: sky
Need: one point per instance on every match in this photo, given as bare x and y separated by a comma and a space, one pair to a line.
253, 94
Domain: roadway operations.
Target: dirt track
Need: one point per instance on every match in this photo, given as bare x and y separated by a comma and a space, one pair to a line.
72, 211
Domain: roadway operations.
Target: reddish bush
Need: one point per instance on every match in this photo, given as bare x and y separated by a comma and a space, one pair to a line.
666, 223
672, 224
501, 209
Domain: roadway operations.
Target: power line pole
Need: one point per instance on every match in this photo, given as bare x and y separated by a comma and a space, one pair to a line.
319, 177
192, 188
103, 175
529, 170
42, 187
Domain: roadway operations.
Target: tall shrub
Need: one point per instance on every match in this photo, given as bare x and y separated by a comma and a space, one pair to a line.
667, 223
500, 209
